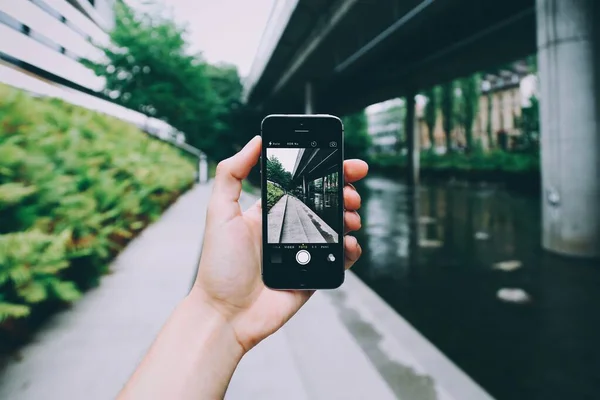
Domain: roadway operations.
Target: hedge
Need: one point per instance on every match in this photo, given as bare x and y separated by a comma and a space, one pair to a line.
75, 187
494, 161
274, 193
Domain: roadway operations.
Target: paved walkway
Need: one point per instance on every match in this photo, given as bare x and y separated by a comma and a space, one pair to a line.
344, 344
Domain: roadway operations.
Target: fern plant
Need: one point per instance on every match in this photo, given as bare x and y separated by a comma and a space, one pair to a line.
75, 187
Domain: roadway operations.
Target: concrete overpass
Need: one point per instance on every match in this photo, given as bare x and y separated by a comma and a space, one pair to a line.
313, 164
355, 53
340, 56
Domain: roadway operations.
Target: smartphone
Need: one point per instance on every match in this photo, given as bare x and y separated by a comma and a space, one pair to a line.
302, 179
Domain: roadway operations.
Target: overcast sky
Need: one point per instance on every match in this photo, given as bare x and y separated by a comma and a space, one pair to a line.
224, 30
286, 156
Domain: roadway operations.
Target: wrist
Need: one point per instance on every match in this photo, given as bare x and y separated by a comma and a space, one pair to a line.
198, 308
195, 336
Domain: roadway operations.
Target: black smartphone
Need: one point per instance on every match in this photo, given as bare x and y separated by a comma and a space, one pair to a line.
302, 179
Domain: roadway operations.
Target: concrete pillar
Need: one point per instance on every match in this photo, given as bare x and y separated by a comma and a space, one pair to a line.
304, 189
309, 98
202, 169
323, 184
569, 76
412, 141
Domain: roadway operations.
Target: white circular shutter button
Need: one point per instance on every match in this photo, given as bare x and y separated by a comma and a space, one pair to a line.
303, 257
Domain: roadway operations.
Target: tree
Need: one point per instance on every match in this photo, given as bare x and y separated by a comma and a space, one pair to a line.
530, 125
469, 102
276, 173
489, 120
149, 68
431, 114
356, 136
447, 105
231, 127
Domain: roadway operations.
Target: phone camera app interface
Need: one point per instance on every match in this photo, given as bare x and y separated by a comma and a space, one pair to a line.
303, 211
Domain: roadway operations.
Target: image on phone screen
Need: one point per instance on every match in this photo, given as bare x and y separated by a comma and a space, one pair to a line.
308, 201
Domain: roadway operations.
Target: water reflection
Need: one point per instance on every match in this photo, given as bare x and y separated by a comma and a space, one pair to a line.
434, 255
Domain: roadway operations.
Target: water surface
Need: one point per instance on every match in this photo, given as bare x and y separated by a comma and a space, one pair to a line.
440, 255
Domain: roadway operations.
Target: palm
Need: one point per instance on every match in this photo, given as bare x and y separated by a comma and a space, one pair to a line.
234, 279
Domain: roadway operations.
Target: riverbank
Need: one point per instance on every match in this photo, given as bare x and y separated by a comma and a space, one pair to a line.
516, 171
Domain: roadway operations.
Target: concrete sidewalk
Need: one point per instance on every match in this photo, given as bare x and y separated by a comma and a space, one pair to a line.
344, 344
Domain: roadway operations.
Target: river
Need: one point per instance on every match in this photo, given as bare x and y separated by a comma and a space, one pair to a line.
464, 265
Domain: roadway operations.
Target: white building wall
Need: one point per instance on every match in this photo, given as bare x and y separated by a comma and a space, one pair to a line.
53, 35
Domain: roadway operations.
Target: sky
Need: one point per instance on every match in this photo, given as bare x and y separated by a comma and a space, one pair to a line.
224, 30
286, 156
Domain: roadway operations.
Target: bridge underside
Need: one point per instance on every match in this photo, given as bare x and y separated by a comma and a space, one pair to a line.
314, 163
362, 52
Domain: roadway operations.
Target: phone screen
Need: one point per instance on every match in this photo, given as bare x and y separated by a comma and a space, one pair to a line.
302, 182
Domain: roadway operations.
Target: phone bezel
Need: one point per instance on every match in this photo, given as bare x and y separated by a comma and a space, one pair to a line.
311, 124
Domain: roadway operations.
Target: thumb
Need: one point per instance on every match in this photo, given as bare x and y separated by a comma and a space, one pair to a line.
223, 204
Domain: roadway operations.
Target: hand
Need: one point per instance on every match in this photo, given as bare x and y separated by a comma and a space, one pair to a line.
229, 276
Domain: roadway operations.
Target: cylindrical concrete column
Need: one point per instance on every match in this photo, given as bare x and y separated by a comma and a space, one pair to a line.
412, 141
569, 64
309, 98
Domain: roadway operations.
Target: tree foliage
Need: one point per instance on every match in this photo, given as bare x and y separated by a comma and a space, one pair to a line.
149, 68
75, 186
356, 136
447, 106
276, 173
469, 103
431, 109
530, 125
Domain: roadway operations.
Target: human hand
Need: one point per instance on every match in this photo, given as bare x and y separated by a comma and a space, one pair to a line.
229, 276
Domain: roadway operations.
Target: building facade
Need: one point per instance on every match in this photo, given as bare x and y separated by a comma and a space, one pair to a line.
385, 124
499, 110
48, 38
42, 43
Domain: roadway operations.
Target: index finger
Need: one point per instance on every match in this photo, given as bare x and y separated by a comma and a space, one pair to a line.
355, 170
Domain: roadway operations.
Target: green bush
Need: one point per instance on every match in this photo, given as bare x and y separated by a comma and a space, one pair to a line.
274, 193
480, 162
75, 187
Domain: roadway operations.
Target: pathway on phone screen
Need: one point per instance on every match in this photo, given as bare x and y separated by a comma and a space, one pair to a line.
302, 225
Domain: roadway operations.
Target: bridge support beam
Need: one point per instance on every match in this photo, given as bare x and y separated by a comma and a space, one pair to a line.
568, 41
305, 184
412, 141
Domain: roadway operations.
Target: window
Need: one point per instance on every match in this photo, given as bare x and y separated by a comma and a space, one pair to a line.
41, 4
75, 28
38, 37
71, 55
9, 21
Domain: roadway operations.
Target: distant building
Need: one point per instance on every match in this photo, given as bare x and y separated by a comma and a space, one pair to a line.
385, 125
509, 90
